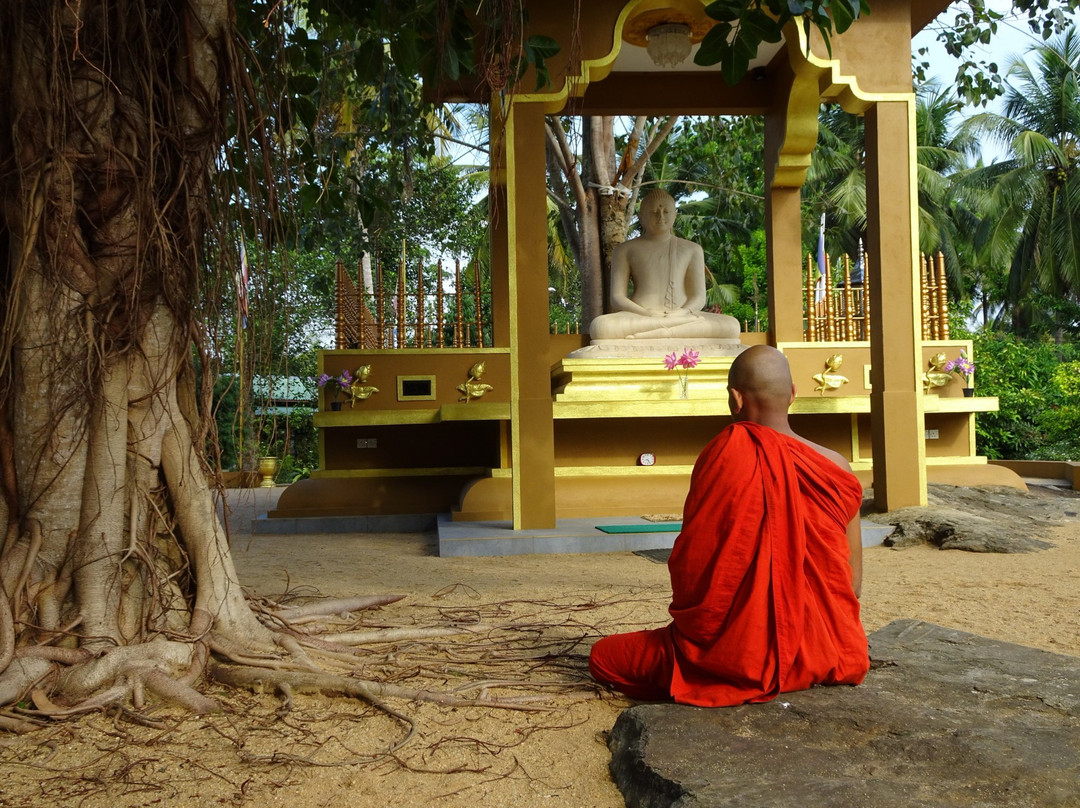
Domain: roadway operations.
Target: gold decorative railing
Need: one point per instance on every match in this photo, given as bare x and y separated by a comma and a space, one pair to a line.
935, 297
840, 312
410, 318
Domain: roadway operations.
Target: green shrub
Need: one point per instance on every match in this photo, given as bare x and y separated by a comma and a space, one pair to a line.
1037, 383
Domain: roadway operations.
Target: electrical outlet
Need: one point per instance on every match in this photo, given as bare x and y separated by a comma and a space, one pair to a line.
931, 434
367, 443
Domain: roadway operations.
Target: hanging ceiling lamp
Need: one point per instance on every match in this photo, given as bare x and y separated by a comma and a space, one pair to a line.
667, 29
668, 44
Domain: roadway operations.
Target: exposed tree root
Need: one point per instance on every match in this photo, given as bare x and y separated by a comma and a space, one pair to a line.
321, 608
369, 691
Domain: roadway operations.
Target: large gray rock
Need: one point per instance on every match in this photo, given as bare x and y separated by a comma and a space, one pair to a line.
944, 719
982, 519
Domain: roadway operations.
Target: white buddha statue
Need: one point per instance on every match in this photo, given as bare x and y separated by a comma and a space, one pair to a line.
668, 274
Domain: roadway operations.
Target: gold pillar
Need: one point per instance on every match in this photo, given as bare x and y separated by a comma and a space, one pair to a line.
783, 247
499, 244
896, 399
532, 440
791, 125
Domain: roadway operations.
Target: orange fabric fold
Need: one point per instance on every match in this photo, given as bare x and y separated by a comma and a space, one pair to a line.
762, 601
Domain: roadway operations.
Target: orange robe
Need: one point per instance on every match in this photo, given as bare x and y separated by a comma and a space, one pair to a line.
762, 601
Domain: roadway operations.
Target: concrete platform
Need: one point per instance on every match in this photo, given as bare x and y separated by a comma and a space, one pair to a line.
945, 719
498, 538
568, 536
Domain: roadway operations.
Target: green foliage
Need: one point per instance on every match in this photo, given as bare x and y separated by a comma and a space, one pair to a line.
1037, 383
836, 181
744, 26
750, 266
714, 168
1031, 201
974, 23
434, 214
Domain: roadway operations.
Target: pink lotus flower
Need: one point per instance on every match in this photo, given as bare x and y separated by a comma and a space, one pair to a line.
682, 364
689, 358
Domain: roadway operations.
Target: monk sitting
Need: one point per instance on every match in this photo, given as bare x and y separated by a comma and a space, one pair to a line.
767, 571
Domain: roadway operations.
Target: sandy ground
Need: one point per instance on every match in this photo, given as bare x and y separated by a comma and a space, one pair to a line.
532, 618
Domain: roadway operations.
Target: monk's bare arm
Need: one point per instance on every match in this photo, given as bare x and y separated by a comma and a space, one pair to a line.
854, 536
854, 528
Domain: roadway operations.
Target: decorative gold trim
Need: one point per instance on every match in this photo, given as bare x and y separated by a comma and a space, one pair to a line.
623, 471
375, 417
396, 352
401, 396
591, 69
815, 80
485, 411
956, 460
784, 347
659, 408
446, 471
812, 405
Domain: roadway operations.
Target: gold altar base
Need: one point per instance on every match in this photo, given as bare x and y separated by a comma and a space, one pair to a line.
658, 490
637, 379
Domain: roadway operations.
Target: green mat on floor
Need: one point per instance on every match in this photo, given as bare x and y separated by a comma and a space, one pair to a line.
652, 527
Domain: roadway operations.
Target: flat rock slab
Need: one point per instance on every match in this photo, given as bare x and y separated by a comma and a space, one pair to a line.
944, 718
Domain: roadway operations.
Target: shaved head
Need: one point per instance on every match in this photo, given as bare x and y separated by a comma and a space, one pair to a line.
761, 374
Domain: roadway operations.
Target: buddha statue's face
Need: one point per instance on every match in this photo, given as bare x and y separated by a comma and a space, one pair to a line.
657, 214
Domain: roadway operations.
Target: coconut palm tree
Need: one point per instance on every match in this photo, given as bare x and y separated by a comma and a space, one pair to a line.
836, 181
1032, 219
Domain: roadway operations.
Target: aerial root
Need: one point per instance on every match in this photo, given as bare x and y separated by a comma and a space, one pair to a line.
164, 686
19, 724
98, 701
332, 606
290, 644
396, 634
19, 593
284, 681
53, 653
360, 688
242, 654
7, 631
